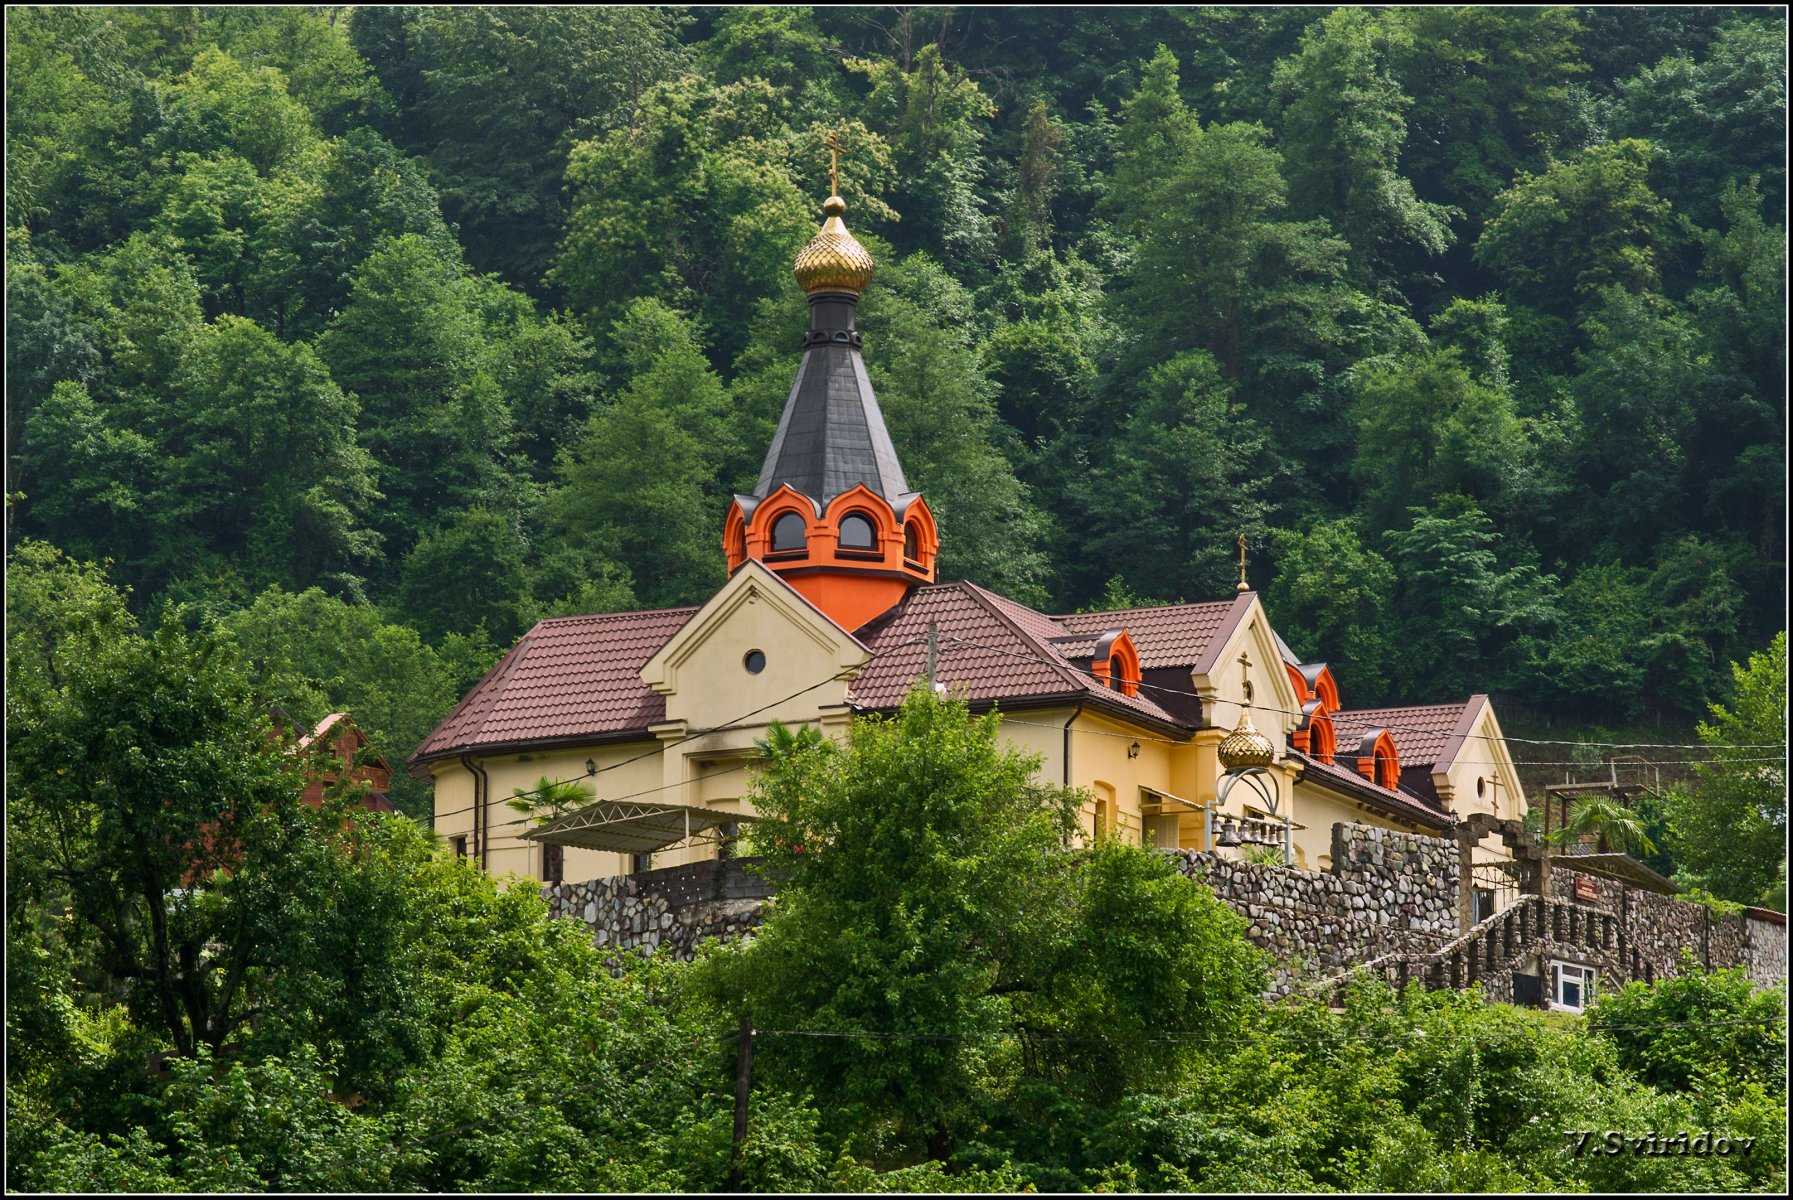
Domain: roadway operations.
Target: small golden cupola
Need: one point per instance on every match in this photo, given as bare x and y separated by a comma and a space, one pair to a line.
832, 513
834, 261
1245, 747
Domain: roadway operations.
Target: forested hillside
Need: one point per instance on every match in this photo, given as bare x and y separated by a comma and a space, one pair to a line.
375, 334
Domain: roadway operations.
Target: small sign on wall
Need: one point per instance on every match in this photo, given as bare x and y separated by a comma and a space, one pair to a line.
1585, 888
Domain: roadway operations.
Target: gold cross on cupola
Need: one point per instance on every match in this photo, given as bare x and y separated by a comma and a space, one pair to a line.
832, 141
1243, 586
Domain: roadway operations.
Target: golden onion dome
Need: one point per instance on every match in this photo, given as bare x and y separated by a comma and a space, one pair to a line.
1245, 746
834, 261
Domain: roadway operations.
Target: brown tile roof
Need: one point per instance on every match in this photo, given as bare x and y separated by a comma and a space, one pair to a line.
990, 646
1343, 778
1172, 635
569, 677
1422, 733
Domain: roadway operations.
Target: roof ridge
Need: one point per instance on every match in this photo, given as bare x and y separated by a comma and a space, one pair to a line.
1050, 657
621, 612
1138, 608
1405, 707
490, 686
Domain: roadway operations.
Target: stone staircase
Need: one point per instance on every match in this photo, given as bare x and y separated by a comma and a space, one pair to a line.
1492, 951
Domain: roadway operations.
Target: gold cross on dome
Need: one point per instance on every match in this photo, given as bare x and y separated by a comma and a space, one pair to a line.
1243, 586
833, 143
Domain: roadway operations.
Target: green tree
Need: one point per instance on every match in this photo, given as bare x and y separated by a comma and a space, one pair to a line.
360, 192
1332, 596
1640, 380
1344, 121
313, 654
1729, 822
494, 596
313, 54
411, 346
1684, 1032
219, 104
1588, 222
933, 117
496, 99
1426, 427
269, 471
1610, 822
949, 824
658, 523
935, 392
1457, 603
737, 163
1185, 427
150, 784
1716, 117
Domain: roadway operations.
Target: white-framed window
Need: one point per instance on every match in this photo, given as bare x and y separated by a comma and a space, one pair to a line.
1571, 986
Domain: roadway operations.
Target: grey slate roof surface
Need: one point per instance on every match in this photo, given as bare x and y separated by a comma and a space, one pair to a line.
831, 435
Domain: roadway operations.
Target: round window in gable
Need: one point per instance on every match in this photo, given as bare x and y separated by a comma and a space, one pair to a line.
755, 661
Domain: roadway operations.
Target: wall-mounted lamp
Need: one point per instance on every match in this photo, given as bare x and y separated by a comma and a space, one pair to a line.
1133, 750
591, 768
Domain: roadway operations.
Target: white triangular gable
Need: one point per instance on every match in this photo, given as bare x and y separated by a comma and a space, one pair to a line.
1481, 751
702, 669
1219, 679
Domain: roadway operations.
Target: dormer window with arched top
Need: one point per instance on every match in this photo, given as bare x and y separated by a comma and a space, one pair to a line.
912, 542
857, 533
1378, 760
1115, 663
790, 534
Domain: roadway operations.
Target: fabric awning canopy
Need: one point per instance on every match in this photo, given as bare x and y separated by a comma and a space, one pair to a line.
631, 826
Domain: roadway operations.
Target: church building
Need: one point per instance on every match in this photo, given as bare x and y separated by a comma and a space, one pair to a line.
833, 611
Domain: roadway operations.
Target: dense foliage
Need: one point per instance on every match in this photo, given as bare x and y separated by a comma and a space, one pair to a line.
343, 343
403, 327
946, 996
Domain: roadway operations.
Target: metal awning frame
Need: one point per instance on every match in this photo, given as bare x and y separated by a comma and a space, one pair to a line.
630, 826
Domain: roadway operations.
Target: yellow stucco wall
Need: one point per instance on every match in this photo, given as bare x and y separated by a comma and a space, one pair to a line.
702, 674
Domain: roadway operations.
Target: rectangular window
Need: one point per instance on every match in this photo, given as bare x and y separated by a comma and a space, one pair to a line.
1484, 904
554, 863
1574, 986
642, 861
460, 847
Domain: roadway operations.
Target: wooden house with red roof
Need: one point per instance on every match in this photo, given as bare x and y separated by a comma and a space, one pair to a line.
833, 610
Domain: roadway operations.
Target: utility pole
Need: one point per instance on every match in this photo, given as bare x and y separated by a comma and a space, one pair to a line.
743, 1085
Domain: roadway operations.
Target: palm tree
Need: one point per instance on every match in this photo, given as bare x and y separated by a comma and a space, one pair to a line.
1610, 821
549, 797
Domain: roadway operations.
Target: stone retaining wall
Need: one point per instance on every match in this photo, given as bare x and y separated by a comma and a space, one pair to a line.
1654, 930
667, 910
1766, 946
1386, 892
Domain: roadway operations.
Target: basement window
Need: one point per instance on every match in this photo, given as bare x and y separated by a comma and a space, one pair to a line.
460, 847
1571, 986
